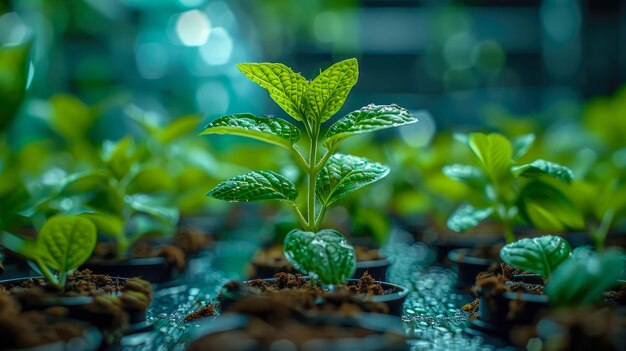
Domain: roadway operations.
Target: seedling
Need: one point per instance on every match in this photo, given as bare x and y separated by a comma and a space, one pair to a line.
508, 190
63, 244
323, 254
577, 277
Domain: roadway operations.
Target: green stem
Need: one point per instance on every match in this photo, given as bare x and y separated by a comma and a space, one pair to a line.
508, 231
312, 178
299, 158
299, 215
322, 162
320, 216
49, 276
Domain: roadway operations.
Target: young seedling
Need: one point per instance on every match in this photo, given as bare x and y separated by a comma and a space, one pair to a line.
508, 190
323, 254
63, 244
576, 277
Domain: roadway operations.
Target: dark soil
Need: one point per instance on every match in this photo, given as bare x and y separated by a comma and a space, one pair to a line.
113, 299
207, 310
107, 251
191, 240
33, 328
272, 320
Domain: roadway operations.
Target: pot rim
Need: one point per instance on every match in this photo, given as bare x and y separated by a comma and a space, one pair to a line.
65, 300
134, 261
373, 263
510, 295
400, 291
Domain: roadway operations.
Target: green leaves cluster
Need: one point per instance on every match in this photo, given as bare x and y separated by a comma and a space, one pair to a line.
324, 254
508, 190
576, 277
63, 244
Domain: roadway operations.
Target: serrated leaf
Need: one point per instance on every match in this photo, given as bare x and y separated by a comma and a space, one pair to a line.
325, 255
368, 119
328, 91
271, 130
543, 167
537, 255
494, 152
66, 242
466, 217
466, 174
522, 144
286, 88
255, 186
548, 209
343, 174
582, 279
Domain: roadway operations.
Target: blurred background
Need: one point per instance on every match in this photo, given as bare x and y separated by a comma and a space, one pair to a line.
93, 68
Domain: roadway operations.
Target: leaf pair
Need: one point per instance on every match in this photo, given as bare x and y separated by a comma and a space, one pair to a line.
316, 101
63, 244
342, 175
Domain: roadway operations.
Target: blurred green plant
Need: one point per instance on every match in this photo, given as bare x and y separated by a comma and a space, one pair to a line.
324, 254
13, 77
507, 190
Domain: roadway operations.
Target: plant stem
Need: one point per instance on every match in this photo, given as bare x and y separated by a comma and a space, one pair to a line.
312, 178
508, 231
49, 276
320, 216
299, 215
299, 158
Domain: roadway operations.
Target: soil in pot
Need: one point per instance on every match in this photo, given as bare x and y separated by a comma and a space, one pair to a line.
114, 305
468, 263
191, 241
269, 323
271, 260
146, 259
42, 329
375, 296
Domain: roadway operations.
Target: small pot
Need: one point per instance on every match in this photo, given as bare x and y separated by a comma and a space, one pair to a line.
156, 270
394, 301
443, 246
468, 267
376, 268
387, 333
74, 304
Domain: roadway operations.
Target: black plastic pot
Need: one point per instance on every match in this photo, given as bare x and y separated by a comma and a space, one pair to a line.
468, 267
75, 305
388, 334
394, 300
443, 246
376, 268
156, 270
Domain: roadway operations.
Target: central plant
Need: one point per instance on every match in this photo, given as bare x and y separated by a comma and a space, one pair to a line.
323, 254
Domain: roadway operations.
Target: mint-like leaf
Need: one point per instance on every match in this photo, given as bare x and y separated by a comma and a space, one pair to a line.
325, 255
494, 152
65, 243
582, 279
328, 91
254, 186
537, 255
286, 88
271, 130
343, 174
368, 119
522, 144
543, 167
466, 217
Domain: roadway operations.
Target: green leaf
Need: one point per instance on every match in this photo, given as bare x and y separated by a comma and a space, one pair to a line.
328, 91
466, 217
494, 152
106, 224
522, 144
271, 130
120, 156
286, 88
151, 180
540, 255
151, 205
548, 209
178, 128
254, 186
368, 119
21, 246
466, 174
343, 174
65, 243
70, 117
325, 255
583, 279
543, 167
13, 76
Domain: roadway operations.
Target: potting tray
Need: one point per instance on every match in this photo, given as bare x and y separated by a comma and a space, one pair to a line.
432, 317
